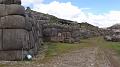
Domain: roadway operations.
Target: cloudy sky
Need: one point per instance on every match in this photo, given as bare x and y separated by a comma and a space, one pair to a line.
102, 13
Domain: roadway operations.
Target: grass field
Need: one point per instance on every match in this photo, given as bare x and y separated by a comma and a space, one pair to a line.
109, 45
55, 49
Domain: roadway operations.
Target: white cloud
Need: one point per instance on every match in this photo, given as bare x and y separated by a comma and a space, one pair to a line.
27, 3
105, 20
71, 12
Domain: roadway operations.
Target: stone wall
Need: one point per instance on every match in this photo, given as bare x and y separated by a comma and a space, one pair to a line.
61, 33
60, 30
19, 37
22, 32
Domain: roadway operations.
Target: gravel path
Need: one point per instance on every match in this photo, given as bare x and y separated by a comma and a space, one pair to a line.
85, 57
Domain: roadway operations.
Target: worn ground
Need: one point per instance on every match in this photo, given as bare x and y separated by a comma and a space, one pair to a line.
93, 56
86, 57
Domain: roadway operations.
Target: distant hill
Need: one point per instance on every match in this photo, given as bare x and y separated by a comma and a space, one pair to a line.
53, 19
116, 26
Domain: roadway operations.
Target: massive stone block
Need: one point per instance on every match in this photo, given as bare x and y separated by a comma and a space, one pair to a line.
12, 9
3, 12
14, 22
20, 33
10, 2
16, 39
13, 55
1, 34
15, 9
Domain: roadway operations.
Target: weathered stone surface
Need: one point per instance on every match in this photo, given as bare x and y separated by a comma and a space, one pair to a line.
76, 34
70, 30
108, 38
13, 55
12, 9
37, 45
40, 29
3, 11
32, 40
10, 2
28, 22
20, 32
14, 22
1, 34
15, 39
113, 33
114, 37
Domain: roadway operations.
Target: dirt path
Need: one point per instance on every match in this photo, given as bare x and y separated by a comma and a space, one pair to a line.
86, 57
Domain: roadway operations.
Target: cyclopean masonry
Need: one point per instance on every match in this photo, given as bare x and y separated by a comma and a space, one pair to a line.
17, 41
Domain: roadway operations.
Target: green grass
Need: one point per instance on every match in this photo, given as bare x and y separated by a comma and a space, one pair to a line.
108, 44
58, 48
55, 49
3, 65
100, 42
